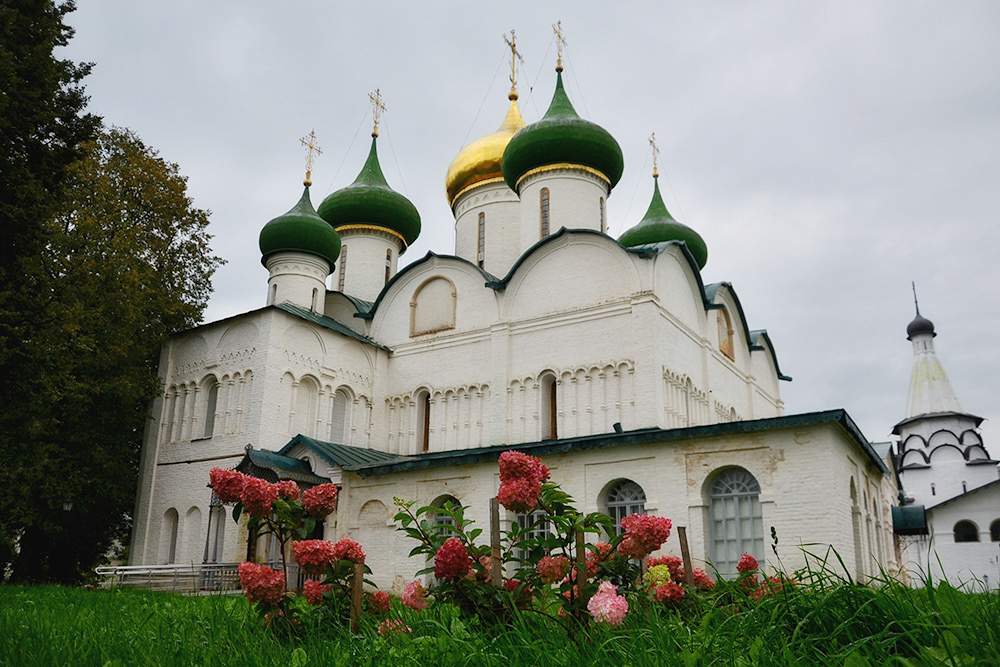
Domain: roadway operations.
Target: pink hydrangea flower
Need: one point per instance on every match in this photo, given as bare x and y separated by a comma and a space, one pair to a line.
452, 560
521, 478
487, 573
227, 484
392, 626
288, 490
702, 580
414, 596
644, 534
261, 583
607, 606
671, 591
380, 601
770, 586
313, 590
314, 556
553, 568
747, 564
348, 549
320, 500
258, 496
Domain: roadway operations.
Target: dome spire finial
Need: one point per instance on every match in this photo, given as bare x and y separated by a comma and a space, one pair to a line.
656, 155
560, 43
916, 303
515, 56
379, 108
311, 147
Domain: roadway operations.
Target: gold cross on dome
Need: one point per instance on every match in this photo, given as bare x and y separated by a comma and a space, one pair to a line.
376, 99
560, 43
311, 148
656, 155
515, 55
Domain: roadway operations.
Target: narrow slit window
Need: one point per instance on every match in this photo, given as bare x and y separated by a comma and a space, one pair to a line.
343, 268
481, 246
388, 264
604, 218
545, 211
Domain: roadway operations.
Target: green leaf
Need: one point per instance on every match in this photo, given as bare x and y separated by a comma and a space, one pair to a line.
299, 658
237, 510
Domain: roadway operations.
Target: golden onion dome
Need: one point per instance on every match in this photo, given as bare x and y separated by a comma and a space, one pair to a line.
480, 160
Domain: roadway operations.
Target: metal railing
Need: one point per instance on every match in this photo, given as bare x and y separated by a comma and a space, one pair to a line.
188, 579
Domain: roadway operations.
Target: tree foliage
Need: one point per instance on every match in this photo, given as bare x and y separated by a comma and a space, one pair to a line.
112, 261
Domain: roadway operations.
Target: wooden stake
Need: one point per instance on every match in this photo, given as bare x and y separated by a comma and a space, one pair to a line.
581, 565
685, 555
357, 585
496, 566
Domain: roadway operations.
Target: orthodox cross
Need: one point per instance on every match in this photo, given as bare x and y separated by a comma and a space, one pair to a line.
376, 99
515, 55
915, 302
560, 43
311, 147
656, 154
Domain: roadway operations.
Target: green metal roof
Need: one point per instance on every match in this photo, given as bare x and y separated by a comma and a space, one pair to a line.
562, 136
658, 225
275, 467
327, 323
344, 456
638, 437
370, 201
300, 230
909, 520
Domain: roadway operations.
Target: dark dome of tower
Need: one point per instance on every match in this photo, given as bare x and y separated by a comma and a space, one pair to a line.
369, 201
919, 325
658, 226
302, 230
562, 137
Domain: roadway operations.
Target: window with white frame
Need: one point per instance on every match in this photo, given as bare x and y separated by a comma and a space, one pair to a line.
736, 524
534, 526
624, 498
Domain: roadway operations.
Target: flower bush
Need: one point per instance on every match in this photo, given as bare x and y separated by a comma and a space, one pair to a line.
262, 584
607, 606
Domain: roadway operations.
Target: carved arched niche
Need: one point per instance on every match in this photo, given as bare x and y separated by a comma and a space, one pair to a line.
433, 307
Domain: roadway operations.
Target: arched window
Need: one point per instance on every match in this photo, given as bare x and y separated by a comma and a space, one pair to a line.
273, 297
168, 537
388, 264
338, 417
966, 531
210, 407
549, 413
216, 530
424, 420
544, 204
995, 531
725, 334
604, 218
343, 267
314, 299
535, 526
736, 524
481, 243
624, 498
441, 519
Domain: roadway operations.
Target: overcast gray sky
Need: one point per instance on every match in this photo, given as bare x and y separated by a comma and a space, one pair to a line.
828, 153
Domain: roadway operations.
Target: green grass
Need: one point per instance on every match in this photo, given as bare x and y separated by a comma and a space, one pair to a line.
823, 623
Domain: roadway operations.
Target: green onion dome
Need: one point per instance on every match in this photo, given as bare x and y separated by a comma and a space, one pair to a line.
562, 137
658, 226
300, 230
369, 203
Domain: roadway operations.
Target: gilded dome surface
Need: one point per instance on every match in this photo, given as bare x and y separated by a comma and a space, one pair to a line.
561, 136
658, 226
300, 230
480, 160
369, 201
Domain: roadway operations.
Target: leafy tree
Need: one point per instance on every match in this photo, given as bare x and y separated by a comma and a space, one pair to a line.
127, 263
42, 130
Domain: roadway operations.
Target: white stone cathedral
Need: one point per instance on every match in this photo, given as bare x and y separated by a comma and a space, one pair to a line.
640, 386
